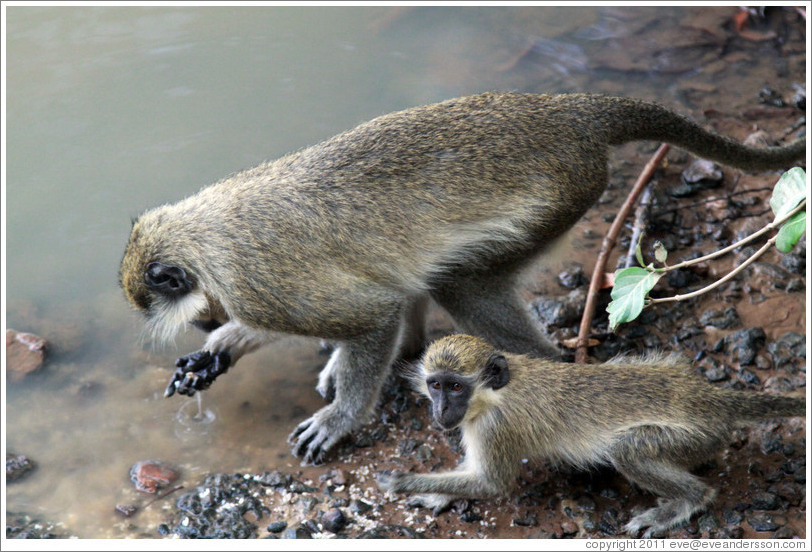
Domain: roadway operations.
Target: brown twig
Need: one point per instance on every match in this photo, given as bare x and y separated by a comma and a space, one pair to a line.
662, 212
609, 242
163, 495
640, 223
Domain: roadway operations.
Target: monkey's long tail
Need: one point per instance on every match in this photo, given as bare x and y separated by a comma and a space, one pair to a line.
758, 406
628, 119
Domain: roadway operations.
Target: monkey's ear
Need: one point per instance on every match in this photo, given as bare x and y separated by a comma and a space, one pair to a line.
496, 373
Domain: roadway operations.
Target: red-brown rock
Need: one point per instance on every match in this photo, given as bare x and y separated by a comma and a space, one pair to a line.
151, 475
25, 353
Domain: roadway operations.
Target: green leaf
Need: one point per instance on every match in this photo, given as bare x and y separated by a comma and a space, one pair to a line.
790, 232
639, 253
789, 192
660, 252
629, 294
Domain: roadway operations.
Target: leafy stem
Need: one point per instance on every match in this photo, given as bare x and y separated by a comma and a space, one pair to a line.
776, 223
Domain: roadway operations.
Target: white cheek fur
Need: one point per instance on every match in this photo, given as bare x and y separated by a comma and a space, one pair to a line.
169, 316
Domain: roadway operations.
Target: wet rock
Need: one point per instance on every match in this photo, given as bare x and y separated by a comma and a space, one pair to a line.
608, 196
682, 277
569, 528
723, 320
24, 526
703, 171
298, 532
764, 522
788, 348
700, 175
731, 516
795, 260
590, 523
390, 532
529, 519
749, 377
126, 510
609, 492
337, 476
744, 344
585, 502
716, 373
778, 384
730, 533
768, 96
408, 446
298, 487
560, 311
765, 501
785, 532
220, 508
573, 277
277, 526
275, 479
308, 503
17, 465
359, 507
424, 453
789, 491
610, 522
793, 466
25, 354
150, 475
334, 520
364, 440
707, 523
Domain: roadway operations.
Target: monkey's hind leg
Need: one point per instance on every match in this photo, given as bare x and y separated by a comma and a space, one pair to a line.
645, 457
357, 370
487, 305
412, 343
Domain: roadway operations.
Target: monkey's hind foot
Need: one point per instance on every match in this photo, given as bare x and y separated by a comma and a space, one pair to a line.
315, 436
196, 372
668, 513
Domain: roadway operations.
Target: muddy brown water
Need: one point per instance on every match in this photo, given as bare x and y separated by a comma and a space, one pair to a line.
113, 110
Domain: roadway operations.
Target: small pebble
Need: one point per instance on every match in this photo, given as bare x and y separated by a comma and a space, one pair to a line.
277, 526
334, 520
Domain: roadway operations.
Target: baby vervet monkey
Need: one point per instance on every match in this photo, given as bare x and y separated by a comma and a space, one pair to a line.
650, 418
346, 240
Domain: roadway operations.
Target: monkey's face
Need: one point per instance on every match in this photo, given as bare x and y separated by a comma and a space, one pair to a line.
156, 283
461, 370
450, 394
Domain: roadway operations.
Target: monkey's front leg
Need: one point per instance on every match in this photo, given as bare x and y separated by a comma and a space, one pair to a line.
438, 490
225, 345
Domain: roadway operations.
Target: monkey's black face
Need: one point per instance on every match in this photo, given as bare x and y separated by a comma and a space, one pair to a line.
450, 394
169, 281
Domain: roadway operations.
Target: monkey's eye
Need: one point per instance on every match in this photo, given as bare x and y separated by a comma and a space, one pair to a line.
456, 386
434, 384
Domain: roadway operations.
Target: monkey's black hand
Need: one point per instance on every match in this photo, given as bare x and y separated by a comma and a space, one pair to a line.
196, 372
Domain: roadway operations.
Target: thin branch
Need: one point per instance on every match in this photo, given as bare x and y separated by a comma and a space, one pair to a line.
721, 281
640, 221
729, 248
709, 200
609, 242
